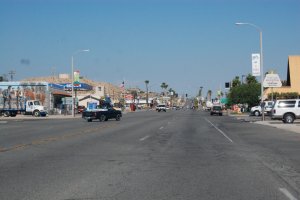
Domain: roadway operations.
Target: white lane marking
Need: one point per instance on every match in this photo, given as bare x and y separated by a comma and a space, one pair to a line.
287, 194
3, 122
228, 138
144, 138
161, 128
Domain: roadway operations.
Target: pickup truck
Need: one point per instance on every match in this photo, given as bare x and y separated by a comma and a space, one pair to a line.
102, 113
256, 110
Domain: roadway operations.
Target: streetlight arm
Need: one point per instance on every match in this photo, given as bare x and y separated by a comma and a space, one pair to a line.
250, 24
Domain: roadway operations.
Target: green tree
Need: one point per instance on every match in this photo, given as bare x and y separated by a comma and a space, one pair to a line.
236, 81
250, 79
244, 94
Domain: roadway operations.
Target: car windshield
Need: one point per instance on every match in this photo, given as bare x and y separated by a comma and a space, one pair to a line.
217, 108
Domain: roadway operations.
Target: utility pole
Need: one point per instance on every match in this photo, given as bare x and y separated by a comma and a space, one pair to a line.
12, 73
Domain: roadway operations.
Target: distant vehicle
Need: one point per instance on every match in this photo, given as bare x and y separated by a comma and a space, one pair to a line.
161, 107
80, 109
176, 108
209, 105
257, 111
216, 110
286, 110
102, 112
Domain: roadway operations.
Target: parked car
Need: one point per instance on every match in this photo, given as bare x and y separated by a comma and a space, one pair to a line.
80, 109
216, 109
286, 110
257, 111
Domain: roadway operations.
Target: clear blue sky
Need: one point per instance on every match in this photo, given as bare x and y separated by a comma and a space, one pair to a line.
185, 43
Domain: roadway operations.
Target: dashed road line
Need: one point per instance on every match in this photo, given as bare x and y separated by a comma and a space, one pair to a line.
161, 128
228, 138
144, 138
287, 194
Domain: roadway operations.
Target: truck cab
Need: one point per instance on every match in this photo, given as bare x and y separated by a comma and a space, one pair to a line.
34, 107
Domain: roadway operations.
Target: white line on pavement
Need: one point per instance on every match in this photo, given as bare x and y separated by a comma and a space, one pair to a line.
287, 194
228, 138
161, 128
3, 122
144, 138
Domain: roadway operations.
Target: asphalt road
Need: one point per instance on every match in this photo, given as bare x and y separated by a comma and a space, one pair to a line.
184, 155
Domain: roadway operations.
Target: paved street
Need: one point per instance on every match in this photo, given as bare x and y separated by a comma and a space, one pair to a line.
148, 155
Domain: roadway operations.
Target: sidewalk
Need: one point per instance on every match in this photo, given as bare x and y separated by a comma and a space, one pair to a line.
295, 127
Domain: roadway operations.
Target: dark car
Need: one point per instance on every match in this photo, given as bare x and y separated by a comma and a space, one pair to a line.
216, 110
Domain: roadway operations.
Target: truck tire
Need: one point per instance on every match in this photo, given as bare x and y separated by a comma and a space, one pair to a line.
256, 113
118, 117
6, 114
102, 118
36, 113
288, 118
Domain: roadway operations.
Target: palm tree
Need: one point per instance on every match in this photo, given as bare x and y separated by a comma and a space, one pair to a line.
164, 86
209, 92
147, 82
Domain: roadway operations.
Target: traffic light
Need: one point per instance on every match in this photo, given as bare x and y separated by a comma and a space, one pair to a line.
227, 85
186, 95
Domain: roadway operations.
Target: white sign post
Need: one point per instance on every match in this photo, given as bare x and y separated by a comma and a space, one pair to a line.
256, 64
272, 81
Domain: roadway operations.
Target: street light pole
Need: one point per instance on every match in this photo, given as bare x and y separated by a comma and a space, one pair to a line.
261, 64
72, 83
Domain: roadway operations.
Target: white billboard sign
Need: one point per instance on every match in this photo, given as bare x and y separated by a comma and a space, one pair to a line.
272, 80
256, 64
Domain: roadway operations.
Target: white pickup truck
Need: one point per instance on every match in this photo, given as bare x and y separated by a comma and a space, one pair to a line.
257, 111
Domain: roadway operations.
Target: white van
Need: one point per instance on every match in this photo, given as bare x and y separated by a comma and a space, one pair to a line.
287, 110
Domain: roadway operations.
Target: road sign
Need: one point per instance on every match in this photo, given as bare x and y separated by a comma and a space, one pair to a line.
272, 80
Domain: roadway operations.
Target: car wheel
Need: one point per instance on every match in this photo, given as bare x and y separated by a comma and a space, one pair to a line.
256, 113
289, 118
102, 118
118, 117
89, 120
36, 113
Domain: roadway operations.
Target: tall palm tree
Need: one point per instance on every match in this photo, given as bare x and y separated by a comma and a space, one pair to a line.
147, 82
164, 86
209, 92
